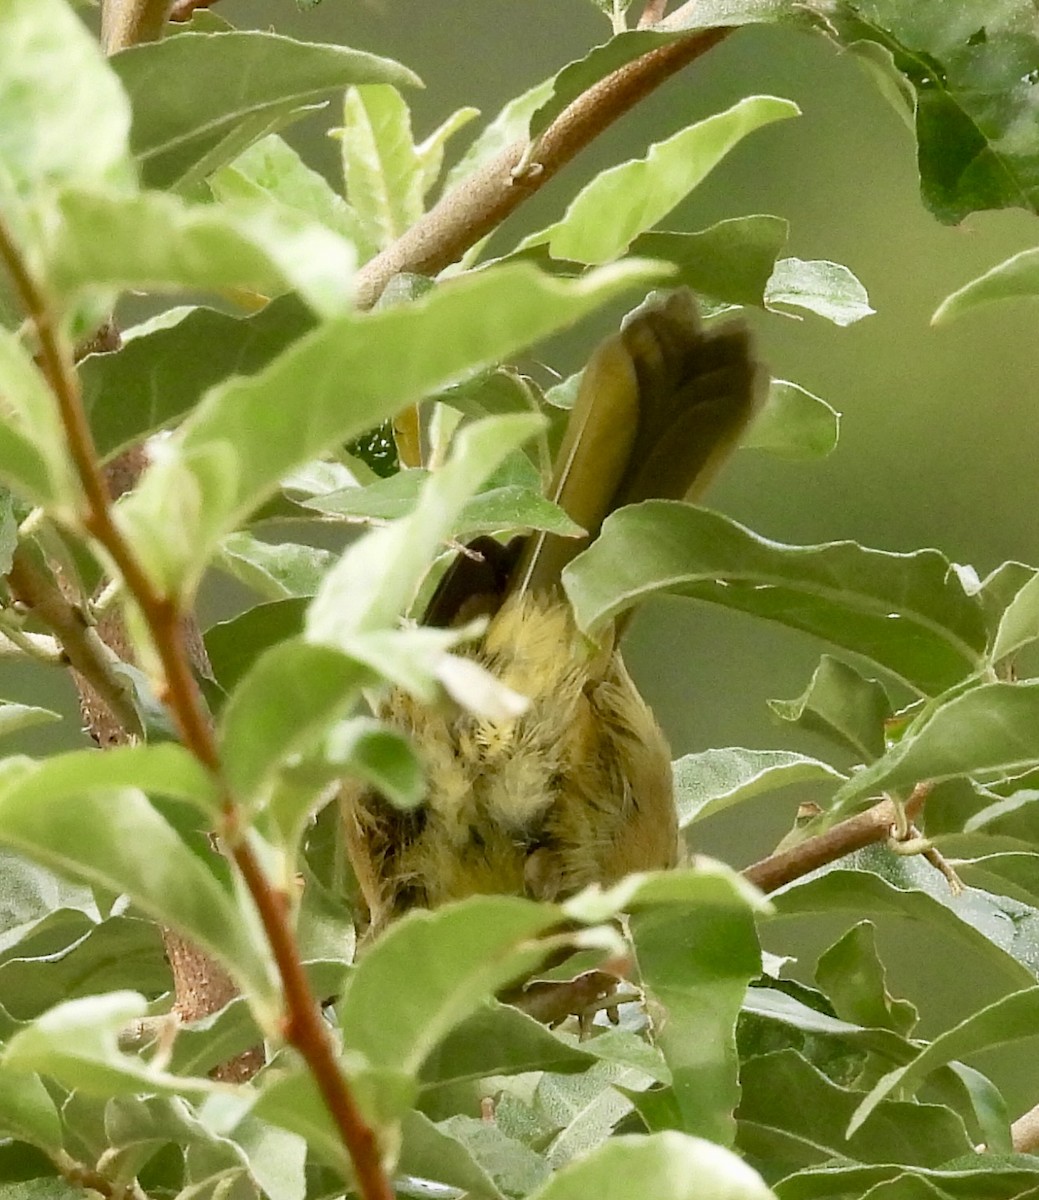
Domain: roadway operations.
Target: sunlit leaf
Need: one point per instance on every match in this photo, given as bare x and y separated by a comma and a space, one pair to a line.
842, 705
827, 289
793, 423
606, 216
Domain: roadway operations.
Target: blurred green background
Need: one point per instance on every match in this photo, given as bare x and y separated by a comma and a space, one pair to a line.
939, 426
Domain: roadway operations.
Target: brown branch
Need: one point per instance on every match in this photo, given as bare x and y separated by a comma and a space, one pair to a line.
873, 825
127, 22
479, 203
303, 1027
83, 648
1024, 1132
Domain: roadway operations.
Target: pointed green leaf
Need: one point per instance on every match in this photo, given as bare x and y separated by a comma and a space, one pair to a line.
233, 646
435, 1152
1015, 278
714, 780
506, 127
827, 289
381, 168
990, 729
247, 435
29, 1112
794, 424
274, 569
271, 170
430, 151
157, 242
16, 717
254, 81
1019, 623
376, 578
1010, 1019
842, 705
33, 457
907, 612
606, 216
853, 977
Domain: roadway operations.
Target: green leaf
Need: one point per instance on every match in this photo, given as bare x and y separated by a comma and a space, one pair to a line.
1000, 932
989, 729
511, 506
381, 168
827, 289
29, 1112
166, 365
792, 1116
233, 646
430, 152
667, 1166
63, 116
16, 717
379, 755
1010, 1019
274, 569
842, 705
431, 970
157, 242
509, 125
606, 216
1019, 623
853, 977
731, 261
431, 1152
714, 780
374, 581
969, 71
33, 457
254, 82
497, 1039
907, 612
794, 424
289, 698
695, 961
111, 837
271, 170
247, 435
984, 1177
1009, 874
1018, 276
77, 1043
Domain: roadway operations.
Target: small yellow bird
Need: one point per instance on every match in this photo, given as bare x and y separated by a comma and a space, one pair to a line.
577, 789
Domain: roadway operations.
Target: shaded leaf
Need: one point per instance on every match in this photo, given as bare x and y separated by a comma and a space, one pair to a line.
274, 569
233, 646
433, 1152
793, 423
814, 1128
16, 717
842, 705
853, 977
1011, 1018
731, 261
254, 82
907, 612
1019, 623
29, 1112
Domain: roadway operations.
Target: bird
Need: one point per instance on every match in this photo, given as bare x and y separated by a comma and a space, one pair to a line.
577, 789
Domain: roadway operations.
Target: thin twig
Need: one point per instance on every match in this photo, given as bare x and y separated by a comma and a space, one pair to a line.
652, 12
479, 203
857, 832
303, 1027
182, 9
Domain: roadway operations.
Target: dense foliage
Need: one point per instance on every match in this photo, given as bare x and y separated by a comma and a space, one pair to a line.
341, 317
